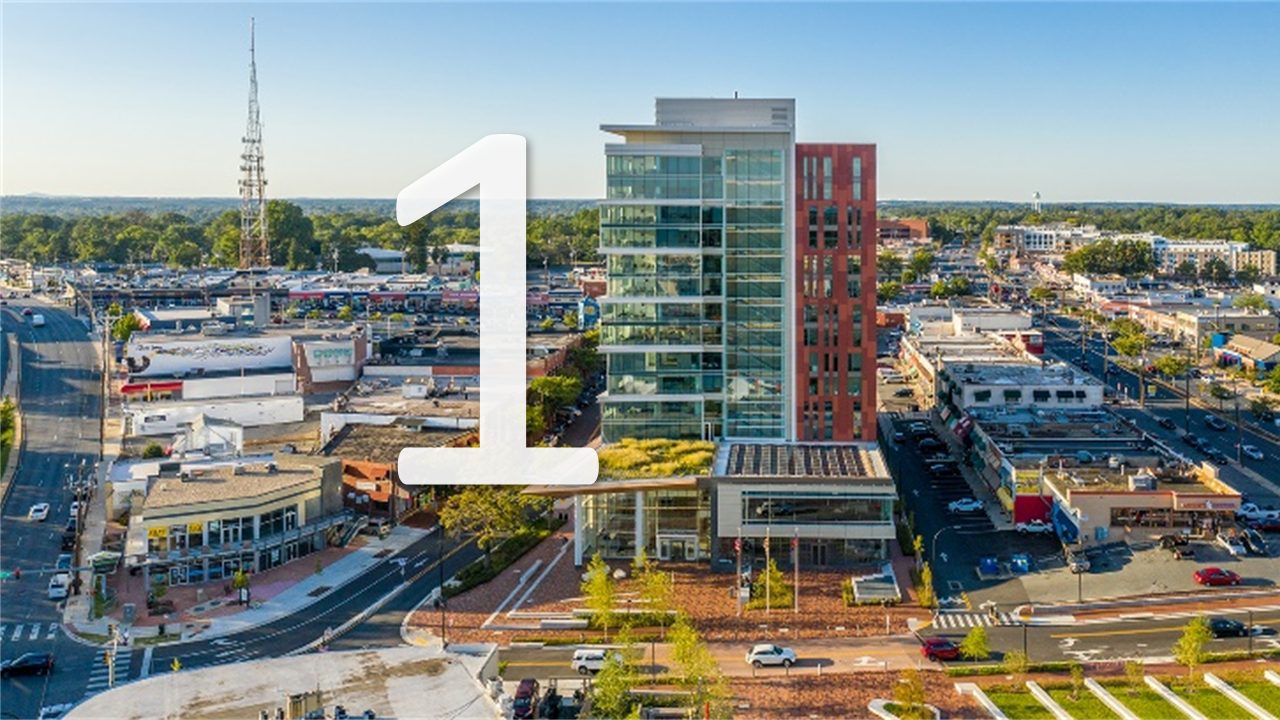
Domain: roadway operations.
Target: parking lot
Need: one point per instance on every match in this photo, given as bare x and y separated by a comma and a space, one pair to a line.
956, 543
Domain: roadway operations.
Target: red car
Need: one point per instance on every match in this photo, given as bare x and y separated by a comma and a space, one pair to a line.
938, 648
1266, 524
1216, 576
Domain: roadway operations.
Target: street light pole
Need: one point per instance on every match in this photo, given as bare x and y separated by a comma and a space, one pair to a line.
933, 544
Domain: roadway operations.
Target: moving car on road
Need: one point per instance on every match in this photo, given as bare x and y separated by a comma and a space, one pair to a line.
965, 505
589, 660
765, 654
939, 648
39, 511
1252, 452
1215, 423
1225, 627
1215, 577
28, 664
1166, 423
1036, 526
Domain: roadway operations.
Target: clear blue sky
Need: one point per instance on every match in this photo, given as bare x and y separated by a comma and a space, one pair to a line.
1147, 102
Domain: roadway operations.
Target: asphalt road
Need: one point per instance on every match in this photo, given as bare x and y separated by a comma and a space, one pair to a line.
1112, 641
61, 401
1164, 403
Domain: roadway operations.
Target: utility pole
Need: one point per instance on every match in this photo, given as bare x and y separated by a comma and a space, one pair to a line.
254, 251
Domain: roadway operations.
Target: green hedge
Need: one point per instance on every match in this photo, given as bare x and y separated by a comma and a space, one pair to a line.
502, 556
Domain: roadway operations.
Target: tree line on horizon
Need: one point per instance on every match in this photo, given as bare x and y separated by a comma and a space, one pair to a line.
297, 240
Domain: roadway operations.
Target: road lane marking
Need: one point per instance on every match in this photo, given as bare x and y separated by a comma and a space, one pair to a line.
1139, 631
35, 633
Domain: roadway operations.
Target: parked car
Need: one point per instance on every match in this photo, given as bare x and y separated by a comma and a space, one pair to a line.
939, 648
1077, 562
1226, 627
1231, 543
1252, 452
1190, 440
63, 562
965, 505
68, 541
59, 585
929, 444
765, 654
903, 392
1036, 526
1217, 456
1166, 423
1271, 524
39, 512
940, 469
1253, 542
589, 660
1214, 577
899, 436
32, 663
1251, 511
74, 510
525, 704
1215, 423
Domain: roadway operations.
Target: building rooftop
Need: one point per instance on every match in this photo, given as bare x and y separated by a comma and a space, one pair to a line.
834, 461
1018, 374
243, 480
383, 443
387, 398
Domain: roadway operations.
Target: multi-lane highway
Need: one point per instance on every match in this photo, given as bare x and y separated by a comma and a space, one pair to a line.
60, 400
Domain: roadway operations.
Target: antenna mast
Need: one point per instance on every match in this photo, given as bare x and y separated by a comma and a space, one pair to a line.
253, 182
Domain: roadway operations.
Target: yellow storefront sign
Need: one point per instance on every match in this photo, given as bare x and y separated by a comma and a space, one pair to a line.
195, 527
156, 533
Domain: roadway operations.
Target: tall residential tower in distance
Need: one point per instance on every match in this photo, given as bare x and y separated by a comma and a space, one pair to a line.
702, 322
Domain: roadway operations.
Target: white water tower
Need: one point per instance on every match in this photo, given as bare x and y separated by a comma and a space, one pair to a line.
1035, 201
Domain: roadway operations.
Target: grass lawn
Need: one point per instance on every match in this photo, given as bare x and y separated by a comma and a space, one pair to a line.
1019, 705
1146, 704
1087, 707
1212, 703
1260, 691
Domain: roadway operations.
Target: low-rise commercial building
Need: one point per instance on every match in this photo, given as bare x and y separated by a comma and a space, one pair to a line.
200, 522
1019, 385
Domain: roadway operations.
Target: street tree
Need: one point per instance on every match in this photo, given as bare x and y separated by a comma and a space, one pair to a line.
345, 313
1077, 680
1186, 270
927, 598
491, 512
125, 327
698, 672
1016, 663
1131, 346
888, 290
600, 593
657, 591
909, 695
1215, 270
770, 588
611, 689
888, 264
1172, 365
1191, 649
1135, 672
975, 645
551, 392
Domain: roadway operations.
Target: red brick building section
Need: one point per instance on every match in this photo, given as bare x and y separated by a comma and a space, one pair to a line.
835, 292
902, 229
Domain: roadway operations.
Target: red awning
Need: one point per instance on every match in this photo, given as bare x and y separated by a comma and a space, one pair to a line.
132, 388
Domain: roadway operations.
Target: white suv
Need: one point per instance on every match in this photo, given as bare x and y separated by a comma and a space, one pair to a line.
590, 660
764, 654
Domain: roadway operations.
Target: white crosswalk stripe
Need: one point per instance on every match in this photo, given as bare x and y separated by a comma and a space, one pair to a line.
100, 675
958, 620
24, 632
17, 632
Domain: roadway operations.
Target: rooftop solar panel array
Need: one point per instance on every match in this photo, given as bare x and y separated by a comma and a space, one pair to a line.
773, 460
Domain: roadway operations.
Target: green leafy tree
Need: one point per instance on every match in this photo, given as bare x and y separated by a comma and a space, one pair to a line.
491, 512
611, 689
888, 291
1248, 275
888, 264
1215, 270
153, 450
1134, 673
1191, 648
125, 327
975, 645
921, 262
927, 597
290, 235
546, 324
1131, 345
551, 392
1272, 381
697, 672
1077, 679
345, 313
770, 588
313, 315
1252, 301
909, 695
1016, 663
222, 236
1185, 270
115, 309
1172, 365
600, 593
657, 591
1042, 294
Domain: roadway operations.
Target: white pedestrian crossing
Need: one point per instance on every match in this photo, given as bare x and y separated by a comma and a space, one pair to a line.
958, 620
28, 632
100, 675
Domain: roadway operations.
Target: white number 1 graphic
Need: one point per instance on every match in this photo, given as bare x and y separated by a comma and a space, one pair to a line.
497, 165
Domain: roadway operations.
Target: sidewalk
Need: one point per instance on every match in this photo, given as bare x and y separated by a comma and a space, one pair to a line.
991, 504
273, 599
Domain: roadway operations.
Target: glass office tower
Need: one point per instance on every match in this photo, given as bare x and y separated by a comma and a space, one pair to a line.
696, 227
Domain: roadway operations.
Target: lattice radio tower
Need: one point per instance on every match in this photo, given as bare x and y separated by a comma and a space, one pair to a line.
254, 252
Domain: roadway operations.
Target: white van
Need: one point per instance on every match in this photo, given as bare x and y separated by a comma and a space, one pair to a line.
37, 321
589, 660
58, 585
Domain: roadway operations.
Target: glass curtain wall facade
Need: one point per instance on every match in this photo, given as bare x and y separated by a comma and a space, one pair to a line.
695, 228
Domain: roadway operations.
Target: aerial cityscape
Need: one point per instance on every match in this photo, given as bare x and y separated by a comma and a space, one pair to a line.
963, 408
